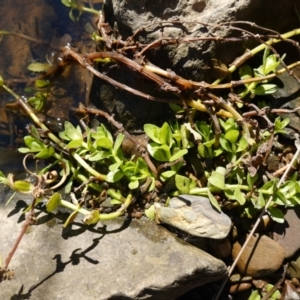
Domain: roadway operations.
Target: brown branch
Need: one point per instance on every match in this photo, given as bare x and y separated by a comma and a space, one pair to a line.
83, 62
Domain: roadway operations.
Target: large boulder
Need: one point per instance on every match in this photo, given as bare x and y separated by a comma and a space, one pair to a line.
159, 21
115, 260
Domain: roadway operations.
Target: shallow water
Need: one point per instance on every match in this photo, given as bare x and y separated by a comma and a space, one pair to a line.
48, 22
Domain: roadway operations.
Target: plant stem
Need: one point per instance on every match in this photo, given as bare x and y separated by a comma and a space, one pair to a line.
213, 189
86, 166
74, 207
91, 11
102, 217
201, 107
257, 49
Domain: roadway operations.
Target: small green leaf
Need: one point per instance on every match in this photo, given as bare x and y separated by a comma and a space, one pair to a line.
213, 200
67, 3
141, 164
232, 135
2, 177
104, 142
46, 153
225, 144
178, 155
118, 142
98, 155
22, 186
153, 132
268, 187
114, 194
242, 144
182, 184
38, 67
115, 202
217, 179
133, 184
24, 150
251, 179
265, 89
280, 125
167, 174
114, 176
254, 296
74, 144
42, 83
159, 152
165, 135
203, 151
150, 212
259, 202
176, 108
114, 167
71, 218
239, 196
53, 202
276, 214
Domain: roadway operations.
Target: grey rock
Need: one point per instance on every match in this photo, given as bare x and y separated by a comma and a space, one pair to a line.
196, 216
290, 85
189, 58
294, 125
117, 260
286, 234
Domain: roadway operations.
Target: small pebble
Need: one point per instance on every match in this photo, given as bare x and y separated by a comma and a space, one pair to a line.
240, 287
238, 278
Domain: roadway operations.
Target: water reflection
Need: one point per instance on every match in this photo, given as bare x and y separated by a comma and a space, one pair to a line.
48, 23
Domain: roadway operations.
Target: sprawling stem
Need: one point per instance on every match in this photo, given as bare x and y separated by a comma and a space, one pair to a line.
257, 49
102, 217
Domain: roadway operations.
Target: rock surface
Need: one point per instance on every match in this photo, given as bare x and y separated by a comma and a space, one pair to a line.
189, 58
152, 20
196, 216
294, 125
261, 257
286, 234
118, 260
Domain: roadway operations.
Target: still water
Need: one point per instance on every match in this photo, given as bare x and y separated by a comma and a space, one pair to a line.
48, 22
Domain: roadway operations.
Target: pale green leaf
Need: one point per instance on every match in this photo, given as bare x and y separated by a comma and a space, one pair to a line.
38, 67
153, 132
213, 200
53, 202
217, 179
178, 155
182, 184
232, 135
133, 184
150, 212
118, 142
159, 152
276, 214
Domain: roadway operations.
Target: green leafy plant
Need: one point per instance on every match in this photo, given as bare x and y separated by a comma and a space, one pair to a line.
259, 294
270, 63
